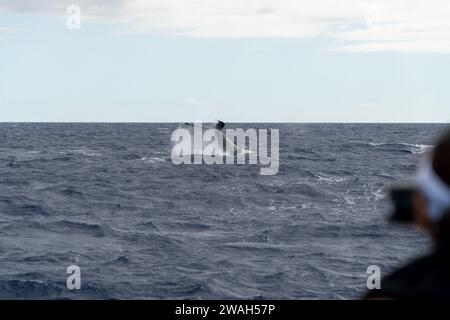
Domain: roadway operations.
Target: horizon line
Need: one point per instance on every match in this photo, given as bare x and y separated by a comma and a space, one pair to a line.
177, 122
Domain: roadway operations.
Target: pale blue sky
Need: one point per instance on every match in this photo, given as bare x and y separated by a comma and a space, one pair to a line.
107, 71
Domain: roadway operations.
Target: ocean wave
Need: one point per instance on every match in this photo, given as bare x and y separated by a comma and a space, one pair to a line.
132, 156
75, 226
183, 290
191, 226
28, 289
380, 194
152, 160
317, 158
71, 191
13, 156
349, 200
296, 188
308, 205
329, 178
255, 246
50, 257
421, 148
407, 147
27, 209
120, 260
265, 236
148, 225
83, 152
38, 289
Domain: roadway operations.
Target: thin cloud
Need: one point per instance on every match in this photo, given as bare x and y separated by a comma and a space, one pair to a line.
368, 105
192, 101
352, 25
6, 32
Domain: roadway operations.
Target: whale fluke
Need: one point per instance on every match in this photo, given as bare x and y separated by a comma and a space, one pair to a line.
220, 125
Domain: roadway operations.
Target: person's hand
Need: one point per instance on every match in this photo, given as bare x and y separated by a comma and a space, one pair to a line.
421, 217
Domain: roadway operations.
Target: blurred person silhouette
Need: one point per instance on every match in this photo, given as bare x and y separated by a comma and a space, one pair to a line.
427, 206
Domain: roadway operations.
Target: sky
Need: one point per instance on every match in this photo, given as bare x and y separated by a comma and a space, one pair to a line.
237, 61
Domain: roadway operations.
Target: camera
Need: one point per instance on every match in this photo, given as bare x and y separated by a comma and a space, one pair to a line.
402, 198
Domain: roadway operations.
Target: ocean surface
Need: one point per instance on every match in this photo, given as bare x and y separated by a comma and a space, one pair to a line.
107, 198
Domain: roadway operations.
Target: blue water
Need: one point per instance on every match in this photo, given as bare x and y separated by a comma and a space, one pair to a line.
106, 197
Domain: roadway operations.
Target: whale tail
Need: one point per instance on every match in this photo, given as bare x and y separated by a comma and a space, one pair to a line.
219, 125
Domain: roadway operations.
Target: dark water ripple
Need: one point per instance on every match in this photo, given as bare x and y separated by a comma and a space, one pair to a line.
106, 197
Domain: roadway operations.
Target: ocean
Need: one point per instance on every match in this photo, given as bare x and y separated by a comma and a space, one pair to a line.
107, 198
